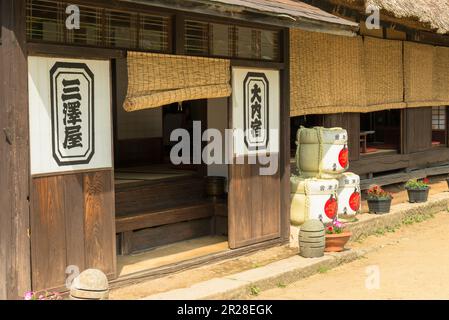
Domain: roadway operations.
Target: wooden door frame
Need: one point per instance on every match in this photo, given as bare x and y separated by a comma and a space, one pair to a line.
15, 259
284, 137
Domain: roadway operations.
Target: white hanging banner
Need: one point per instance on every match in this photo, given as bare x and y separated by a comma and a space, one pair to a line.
255, 113
70, 114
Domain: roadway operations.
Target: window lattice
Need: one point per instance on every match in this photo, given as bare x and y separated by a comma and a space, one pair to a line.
439, 118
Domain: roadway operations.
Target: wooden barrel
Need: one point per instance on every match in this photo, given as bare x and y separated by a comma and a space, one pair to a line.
312, 239
215, 186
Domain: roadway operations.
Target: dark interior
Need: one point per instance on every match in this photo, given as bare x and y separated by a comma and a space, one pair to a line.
382, 131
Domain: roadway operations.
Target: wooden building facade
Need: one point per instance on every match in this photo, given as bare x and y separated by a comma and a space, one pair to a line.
83, 182
387, 86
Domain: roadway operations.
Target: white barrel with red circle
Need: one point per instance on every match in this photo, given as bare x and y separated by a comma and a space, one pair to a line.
322, 152
313, 199
349, 197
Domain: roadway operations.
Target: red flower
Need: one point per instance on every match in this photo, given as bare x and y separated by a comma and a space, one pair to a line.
330, 228
426, 180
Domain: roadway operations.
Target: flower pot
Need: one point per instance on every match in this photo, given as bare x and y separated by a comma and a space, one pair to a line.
417, 195
336, 242
379, 205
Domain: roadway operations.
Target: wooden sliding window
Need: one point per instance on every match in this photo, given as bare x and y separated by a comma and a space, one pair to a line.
90, 31
439, 126
45, 20
197, 37
99, 27
223, 40
154, 32
121, 29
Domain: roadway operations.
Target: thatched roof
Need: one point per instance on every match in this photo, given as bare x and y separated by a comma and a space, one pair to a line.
433, 14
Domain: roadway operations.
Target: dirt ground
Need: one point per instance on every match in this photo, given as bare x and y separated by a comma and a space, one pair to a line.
412, 264
214, 270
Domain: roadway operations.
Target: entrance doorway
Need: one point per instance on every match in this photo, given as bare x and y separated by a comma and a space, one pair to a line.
164, 215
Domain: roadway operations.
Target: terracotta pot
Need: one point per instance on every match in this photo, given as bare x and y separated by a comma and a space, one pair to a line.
336, 242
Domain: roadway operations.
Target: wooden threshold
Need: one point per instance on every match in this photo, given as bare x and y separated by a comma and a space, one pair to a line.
159, 272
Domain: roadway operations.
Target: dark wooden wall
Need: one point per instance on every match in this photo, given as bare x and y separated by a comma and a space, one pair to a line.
350, 122
418, 129
14, 154
73, 223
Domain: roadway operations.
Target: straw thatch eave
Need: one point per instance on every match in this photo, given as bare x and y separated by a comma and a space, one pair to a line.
430, 15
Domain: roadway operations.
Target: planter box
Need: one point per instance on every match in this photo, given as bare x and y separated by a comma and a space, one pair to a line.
379, 206
415, 196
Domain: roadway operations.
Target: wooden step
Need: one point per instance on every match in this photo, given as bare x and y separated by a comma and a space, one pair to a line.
150, 219
145, 230
157, 195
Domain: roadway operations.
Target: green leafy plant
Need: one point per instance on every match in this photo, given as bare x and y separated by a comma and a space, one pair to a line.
323, 269
254, 291
375, 192
414, 184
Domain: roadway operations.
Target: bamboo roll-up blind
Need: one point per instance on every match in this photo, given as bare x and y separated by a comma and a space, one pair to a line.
155, 80
441, 75
383, 74
419, 74
326, 73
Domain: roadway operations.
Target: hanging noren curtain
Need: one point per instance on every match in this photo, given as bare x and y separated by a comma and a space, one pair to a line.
155, 80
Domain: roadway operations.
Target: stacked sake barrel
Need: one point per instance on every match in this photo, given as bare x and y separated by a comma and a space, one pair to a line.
323, 188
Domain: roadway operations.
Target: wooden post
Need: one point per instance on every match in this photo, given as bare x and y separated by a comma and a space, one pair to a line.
284, 164
15, 274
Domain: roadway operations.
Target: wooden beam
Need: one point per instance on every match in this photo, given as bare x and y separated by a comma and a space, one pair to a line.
73, 51
284, 165
15, 264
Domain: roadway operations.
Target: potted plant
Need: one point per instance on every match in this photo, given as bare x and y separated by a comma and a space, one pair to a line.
336, 236
379, 200
418, 190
